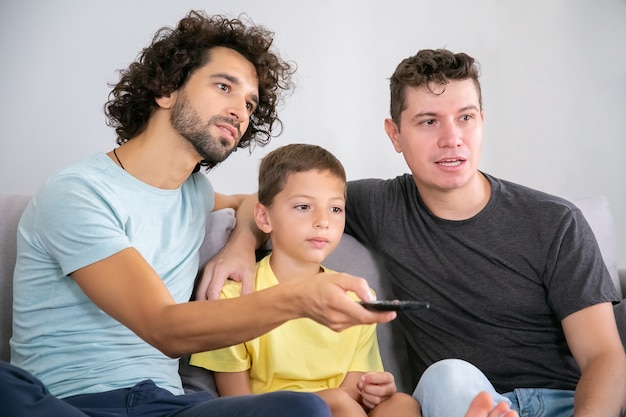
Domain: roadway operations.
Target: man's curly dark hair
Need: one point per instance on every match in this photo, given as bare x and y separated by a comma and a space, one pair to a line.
175, 53
428, 66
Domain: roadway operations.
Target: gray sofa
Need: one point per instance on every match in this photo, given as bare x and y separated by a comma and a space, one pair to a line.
350, 256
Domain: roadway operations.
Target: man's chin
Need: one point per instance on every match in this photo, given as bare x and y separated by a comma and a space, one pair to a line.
215, 158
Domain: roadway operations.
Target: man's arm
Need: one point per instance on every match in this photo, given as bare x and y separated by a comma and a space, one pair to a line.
237, 259
594, 341
126, 287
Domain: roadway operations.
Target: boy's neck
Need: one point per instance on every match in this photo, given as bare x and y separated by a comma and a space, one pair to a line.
286, 268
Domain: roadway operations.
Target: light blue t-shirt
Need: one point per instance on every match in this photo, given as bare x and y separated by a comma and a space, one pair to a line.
83, 214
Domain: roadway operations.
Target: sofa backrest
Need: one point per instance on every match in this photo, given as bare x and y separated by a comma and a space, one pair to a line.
597, 212
11, 208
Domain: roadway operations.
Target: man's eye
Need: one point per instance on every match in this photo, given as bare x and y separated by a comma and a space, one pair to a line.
224, 87
428, 122
250, 106
466, 117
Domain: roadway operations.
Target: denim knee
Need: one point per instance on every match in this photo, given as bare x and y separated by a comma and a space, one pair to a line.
308, 405
283, 403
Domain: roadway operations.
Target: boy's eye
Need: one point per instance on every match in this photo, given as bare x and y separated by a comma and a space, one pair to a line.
337, 209
301, 207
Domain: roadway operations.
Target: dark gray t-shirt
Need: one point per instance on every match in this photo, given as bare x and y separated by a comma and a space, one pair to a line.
499, 283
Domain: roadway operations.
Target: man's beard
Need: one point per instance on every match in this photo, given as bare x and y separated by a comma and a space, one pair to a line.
187, 123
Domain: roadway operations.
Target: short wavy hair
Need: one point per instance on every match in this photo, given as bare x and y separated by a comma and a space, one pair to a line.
438, 66
175, 53
277, 165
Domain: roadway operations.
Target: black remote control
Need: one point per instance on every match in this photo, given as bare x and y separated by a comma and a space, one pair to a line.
395, 305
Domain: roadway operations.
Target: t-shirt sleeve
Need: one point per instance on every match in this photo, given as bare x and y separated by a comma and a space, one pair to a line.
76, 224
576, 276
231, 359
367, 355
362, 203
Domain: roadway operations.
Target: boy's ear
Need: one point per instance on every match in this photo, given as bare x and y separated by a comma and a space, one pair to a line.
262, 218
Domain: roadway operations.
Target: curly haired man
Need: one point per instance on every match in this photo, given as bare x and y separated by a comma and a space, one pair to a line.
108, 249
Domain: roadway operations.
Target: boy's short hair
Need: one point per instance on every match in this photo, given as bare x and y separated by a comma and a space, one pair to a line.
280, 163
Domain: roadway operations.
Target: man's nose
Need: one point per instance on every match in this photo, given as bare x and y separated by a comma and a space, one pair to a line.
238, 109
450, 135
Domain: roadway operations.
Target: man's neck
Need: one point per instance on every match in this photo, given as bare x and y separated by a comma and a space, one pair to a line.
459, 203
159, 156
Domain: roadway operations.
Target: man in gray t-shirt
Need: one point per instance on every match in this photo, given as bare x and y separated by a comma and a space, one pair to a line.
515, 277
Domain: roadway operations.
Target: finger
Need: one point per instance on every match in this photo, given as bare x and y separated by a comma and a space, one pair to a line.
379, 390
216, 283
482, 406
500, 409
350, 314
247, 282
366, 400
357, 285
371, 400
367, 405
378, 378
201, 290
325, 300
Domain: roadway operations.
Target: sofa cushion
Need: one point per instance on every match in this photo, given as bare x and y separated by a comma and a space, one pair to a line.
11, 208
218, 227
219, 224
598, 214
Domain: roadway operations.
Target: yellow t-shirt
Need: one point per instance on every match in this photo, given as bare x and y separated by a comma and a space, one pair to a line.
300, 355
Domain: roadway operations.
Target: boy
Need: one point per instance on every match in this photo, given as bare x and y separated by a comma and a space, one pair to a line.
301, 205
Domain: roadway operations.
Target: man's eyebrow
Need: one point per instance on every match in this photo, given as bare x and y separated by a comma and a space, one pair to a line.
227, 77
471, 107
235, 81
424, 114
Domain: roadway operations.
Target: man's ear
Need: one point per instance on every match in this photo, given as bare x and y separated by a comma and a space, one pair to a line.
393, 131
167, 102
262, 218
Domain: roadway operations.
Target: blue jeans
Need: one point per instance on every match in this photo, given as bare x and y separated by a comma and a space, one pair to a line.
447, 388
23, 395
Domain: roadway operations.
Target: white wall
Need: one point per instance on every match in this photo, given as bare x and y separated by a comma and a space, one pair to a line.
554, 83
